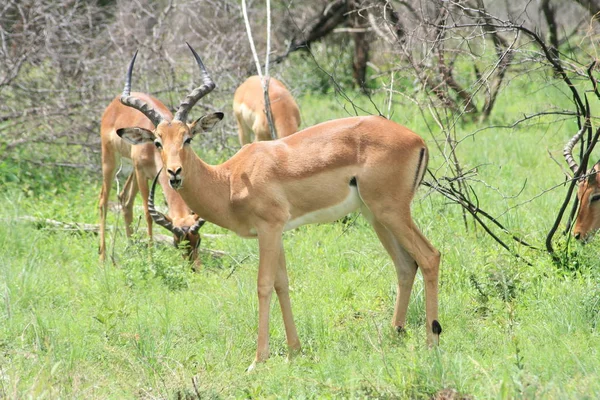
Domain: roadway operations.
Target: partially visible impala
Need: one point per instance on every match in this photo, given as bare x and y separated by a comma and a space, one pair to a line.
316, 175
146, 162
588, 193
249, 110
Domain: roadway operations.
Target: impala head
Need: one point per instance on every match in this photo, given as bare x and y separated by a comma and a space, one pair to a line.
171, 138
183, 228
588, 194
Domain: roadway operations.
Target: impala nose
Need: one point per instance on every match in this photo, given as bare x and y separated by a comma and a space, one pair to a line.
577, 235
175, 179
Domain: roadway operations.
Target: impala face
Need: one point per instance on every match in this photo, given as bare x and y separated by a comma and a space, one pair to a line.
172, 140
588, 194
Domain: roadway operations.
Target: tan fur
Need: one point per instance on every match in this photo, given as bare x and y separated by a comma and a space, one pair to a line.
588, 218
146, 164
249, 110
268, 184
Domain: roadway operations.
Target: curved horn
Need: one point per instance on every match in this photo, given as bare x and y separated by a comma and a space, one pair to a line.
159, 217
207, 86
196, 227
136, 103
568, 150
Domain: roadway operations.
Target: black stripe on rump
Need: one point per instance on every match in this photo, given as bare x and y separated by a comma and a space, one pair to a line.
418, 172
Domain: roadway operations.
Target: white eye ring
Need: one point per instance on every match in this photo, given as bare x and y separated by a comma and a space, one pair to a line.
158, 144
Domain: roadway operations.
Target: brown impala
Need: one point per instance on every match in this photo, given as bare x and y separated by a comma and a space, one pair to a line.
146, 162
249, 110
588, 193
319, 174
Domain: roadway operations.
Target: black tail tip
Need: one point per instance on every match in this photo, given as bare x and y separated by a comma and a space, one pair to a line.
436, 328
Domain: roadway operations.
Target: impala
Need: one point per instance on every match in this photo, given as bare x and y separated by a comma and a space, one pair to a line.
146, 161
249, 110
316, 175
588, 193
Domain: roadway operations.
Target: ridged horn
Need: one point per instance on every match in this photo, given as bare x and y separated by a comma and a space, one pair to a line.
191, 99
197, 225
136, 103
568, 150
159, 217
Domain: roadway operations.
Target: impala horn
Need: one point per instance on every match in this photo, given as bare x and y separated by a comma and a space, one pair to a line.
191, 99
134, 102
568, 150
160, 218
197, 225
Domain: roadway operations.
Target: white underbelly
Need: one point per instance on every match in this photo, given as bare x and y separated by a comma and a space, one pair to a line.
349, 204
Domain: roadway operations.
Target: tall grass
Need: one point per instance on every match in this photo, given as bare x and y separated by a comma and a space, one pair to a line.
149, 327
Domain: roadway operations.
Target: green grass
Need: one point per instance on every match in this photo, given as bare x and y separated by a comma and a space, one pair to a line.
149, 327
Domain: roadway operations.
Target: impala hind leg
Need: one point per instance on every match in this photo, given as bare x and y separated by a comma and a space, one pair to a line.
428, 260
409, 238
109, 162
406, 270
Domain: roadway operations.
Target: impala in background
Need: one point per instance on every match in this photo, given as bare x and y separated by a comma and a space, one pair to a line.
588, 193
146, 163
249, 110
316, 175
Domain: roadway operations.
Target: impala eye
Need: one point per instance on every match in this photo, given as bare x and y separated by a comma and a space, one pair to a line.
158, 144
594, 198
187, 141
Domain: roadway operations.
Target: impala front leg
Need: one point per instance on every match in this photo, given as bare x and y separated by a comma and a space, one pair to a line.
270, 247
282, 288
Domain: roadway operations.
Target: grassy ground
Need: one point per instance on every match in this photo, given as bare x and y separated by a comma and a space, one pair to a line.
148, 327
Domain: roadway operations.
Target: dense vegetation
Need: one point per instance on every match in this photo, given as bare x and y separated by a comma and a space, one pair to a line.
149, 327
144, 325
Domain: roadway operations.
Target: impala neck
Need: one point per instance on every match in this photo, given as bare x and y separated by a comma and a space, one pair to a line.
206, 190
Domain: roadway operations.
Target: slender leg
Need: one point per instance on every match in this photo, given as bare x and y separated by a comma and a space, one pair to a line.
127, 200
282, 288
270, 246
108, 174
406, 269
428, 260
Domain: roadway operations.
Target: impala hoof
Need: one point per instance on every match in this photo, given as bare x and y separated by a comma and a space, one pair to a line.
251, 368
436, 328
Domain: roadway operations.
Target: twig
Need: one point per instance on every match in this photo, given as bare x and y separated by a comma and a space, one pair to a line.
66, 226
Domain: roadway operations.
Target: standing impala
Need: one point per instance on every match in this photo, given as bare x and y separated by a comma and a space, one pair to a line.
588, 193
249, 110
316, 175
146, 161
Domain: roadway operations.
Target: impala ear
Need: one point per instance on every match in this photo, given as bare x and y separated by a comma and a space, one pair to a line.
206, 122
136, 135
